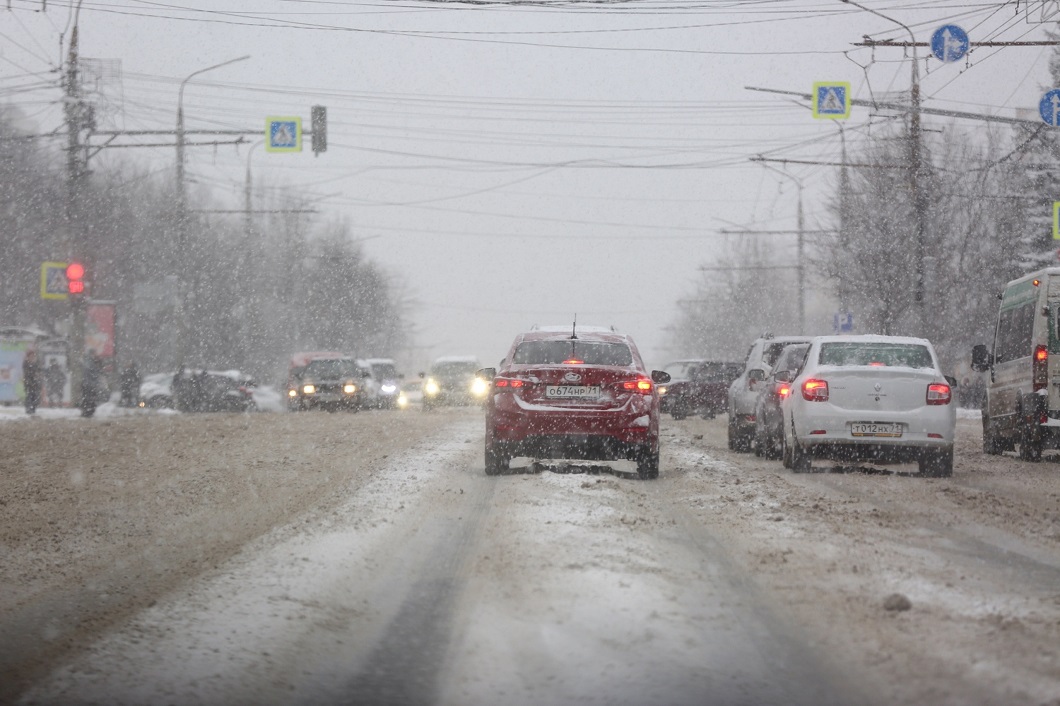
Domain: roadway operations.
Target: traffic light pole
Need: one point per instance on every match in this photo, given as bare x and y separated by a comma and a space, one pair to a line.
73, 109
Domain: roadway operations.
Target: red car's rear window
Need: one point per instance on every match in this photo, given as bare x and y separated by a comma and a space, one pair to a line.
556, 352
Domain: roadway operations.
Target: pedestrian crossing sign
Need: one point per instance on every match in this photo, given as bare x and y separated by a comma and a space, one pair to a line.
831, 99
283, 134
53, 280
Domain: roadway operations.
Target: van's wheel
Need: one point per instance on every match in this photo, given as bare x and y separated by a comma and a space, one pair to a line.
1030, 442
991, 443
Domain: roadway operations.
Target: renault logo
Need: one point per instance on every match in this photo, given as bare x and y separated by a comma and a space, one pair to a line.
572, 377
877, 386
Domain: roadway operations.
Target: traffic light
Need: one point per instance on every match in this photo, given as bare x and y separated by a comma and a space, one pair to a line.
318, 116
75, 279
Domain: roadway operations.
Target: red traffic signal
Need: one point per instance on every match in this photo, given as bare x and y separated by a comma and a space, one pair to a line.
75, 278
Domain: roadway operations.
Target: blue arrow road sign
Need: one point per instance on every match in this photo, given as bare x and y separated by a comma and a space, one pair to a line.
949, 43
1049, 107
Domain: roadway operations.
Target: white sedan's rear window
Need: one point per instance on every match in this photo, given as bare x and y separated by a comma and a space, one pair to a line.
906, 355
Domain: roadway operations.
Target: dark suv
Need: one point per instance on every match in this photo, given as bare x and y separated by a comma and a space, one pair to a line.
573, 394
327, 383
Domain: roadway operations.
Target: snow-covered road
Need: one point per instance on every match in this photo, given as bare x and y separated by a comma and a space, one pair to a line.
393, 571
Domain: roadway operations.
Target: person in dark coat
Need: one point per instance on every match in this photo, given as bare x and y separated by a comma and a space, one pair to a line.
130, 386
91, 384
54, 383
32, 380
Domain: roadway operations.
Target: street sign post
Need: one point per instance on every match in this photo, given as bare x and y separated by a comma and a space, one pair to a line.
949, 43
1049, 107
1056, 220
831, 100
283, 134
53, 280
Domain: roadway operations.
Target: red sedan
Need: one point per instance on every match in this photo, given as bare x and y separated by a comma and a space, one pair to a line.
573, 393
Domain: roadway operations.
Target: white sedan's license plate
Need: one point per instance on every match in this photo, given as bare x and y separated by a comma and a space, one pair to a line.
875, 429
577, 392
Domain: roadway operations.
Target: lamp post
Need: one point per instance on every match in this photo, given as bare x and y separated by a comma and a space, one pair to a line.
915, 169
801, 249
182, 206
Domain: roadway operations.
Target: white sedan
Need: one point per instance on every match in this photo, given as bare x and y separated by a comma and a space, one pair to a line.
878, 399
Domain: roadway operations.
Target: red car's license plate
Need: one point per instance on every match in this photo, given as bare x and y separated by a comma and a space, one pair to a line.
579, 392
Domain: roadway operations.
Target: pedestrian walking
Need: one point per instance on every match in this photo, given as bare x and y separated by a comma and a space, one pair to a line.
130, 386
54, 384
91, 384
31, 381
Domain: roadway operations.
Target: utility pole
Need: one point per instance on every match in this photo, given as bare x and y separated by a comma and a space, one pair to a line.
73, 110
916, 174
184, 289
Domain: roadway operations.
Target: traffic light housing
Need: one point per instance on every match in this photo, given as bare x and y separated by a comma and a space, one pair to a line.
75, 280
318, 117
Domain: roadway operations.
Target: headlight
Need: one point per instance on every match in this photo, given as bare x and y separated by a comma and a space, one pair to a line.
402, 401
662, 390
479, 387
430, 388
389, 389
292, 392
309, 389
349, 388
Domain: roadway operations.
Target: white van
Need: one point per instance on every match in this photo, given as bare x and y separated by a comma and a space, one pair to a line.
1022, 406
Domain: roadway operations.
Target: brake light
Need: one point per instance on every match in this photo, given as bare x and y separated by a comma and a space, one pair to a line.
815, 390
506, 382
1040, 369
641, 385
573, 361
784, 391
938, 393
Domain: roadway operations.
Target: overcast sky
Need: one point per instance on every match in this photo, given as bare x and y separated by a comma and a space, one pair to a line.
513, 165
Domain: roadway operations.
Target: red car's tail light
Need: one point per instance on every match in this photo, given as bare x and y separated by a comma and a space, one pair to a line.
815, 390
1040, 368
641, 385
508, 382
938, 393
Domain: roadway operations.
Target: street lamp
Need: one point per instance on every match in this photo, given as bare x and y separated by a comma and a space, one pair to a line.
801, 256
182, 204
915, 166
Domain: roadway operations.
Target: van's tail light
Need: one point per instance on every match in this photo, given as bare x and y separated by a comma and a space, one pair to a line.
642, 385
938, 393
815, 390
1040, 368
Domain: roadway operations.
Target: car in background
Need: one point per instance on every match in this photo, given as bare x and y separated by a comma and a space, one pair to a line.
452, 380
743, 392
769, 420
199, 390
156, 391
678, 397
327, 383
295, 369
385, 383
878, 399
573, 393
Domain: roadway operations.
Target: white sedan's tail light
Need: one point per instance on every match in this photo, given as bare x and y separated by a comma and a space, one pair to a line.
938, 393
815, 390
